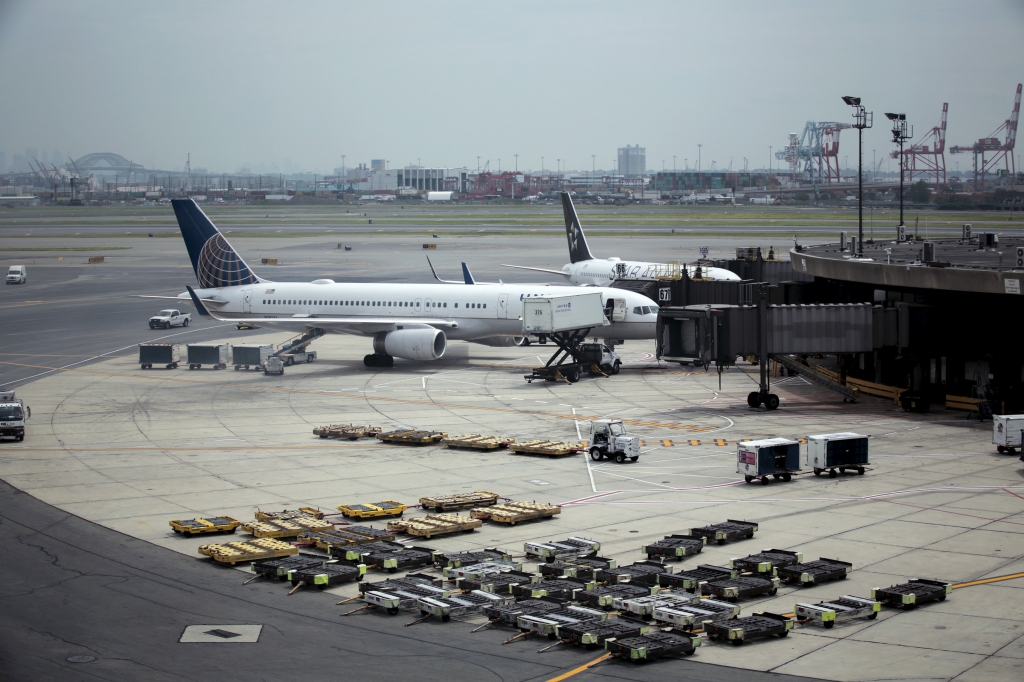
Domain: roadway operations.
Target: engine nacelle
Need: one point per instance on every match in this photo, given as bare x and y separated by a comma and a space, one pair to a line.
502, 341
411, 344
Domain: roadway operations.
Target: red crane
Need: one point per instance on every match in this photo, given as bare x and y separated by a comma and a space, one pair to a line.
927, 158
1000, 151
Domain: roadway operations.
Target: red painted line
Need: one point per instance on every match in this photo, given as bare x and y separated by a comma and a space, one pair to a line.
1012, 493
946, 511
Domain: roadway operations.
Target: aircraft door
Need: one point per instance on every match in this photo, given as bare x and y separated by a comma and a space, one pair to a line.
247, 300
503, 306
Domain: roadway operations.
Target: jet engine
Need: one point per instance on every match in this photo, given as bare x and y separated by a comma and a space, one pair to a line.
503, 341
411, 344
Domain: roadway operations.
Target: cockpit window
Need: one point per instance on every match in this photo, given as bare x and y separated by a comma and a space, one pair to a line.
638, 311
654, 309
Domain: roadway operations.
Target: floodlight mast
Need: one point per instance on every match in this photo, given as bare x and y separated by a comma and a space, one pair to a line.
899, 136
861, 119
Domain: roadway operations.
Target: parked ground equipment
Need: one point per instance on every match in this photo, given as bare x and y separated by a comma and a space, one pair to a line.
201, 526
740, 630
608, 439
604, 596
582, 568
14, 416
347, 431
643, 607
815, 572
638, 573
913, 593
553, 588
547, 624
287, 514
443, 503
456, 559
593, 633
842, 451
480, 570
373, 510
675, 546
327, 575
273, 365
1006, 432
766, 561
548, 448
296, 349
512, 513
566, 321
502, 583
393, 560
729, 531
693, 580
165, 319
570, 548
654, 645
771, 457
460, 604
252, 550
412, 437
508, 614
695, 616
215, 355
166, 354
832, 611
278, 568
354, 553
741, 587
251, 355
435, 524
477, 442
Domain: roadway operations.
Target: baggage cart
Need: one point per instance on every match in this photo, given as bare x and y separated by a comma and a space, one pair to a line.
912, 593
516, 512
287, 514
554, 588
392, 561
741, 587
604, 596
508, 614
412, 580
215, 355
279, 568
328, 540
548, 623
582, 568
695, 616
740, 630
766, 561
347, 431
815, 572
832, 611
286, 528
693, 579
1006, 432
443, 503
502, 583
456, 559
729, 531
638, 573
353, 553
654, 645
251, 355
401, 597
475, 441
676, 546
549, 448
412, 437
592, 633
377, 534
372, 510
481, 570
166, 354
566, 321
460, 604
842, 451
777, 458
201, 526
327, 575
568, 549
643, 607
253, 550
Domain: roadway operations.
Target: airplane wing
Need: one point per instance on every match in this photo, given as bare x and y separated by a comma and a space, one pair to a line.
216, 301
524, 267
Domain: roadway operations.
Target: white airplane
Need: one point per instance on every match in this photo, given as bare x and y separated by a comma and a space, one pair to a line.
410, 321
584, 269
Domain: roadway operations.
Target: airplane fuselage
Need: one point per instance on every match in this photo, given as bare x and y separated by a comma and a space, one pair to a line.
598, 272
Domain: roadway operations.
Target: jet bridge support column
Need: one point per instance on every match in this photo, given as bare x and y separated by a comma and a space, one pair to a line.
763, 396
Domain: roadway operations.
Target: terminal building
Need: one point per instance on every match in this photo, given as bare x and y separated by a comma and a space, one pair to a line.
632, 160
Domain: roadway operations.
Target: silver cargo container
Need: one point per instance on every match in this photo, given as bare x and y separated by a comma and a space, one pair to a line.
166, 354
552, 314
215, 355
251, 355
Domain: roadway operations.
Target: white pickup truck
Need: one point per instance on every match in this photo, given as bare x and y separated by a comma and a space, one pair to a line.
165, 319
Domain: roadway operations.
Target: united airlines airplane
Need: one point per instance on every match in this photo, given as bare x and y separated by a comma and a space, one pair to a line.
410, 321
584, 269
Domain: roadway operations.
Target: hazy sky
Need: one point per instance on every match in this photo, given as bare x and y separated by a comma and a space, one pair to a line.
251, 83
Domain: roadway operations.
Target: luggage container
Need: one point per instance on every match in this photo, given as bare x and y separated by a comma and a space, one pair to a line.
570, 548
775, 457
327, 575
251, 355
677, 546
481, 570
638, 573
548, 623
412, 437
727, 532
696, 616
912, 593
456, 559
213, 524
592, 633
643, 607
508, 614
553, 588
332, 539
475, 441
741, 587
516, 512
370, 532
842, 451
399, 597
830, 612
604, 596
766, 561
215, 355
253, 550
815, 572
279, 568
354, 552
1006, 432
443, 503
583, 568
693, 579
552, 314
548, 448
501, 583
416, 580
435, 525
654, 645
166, 354
288, 514
460, 604
757, 626
392, 561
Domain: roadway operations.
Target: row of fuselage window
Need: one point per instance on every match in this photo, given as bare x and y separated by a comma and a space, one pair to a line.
370, 304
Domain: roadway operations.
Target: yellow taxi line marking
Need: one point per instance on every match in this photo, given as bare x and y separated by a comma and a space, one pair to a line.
582, 668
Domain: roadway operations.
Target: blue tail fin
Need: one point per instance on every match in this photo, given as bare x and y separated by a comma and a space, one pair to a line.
467, 275
578, 249
216, 264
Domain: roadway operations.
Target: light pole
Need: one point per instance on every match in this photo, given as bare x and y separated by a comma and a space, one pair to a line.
700, 184
517, 162
542, 164
769, 159
899, 136
861, 119
673, 163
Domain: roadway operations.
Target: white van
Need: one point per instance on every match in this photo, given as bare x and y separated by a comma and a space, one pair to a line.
17, 274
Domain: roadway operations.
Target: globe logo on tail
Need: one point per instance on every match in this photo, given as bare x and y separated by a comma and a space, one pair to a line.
220, 266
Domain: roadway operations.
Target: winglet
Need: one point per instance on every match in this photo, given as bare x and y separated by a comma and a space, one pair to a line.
200, 308
467, 275
434, 272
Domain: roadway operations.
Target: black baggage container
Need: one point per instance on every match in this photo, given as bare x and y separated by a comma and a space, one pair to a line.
654, 645
766, 561
727, 532
757, 626
912, 593
166, 354
278, 568
677, 546
215, 355
604, 596
638, 573
740, 587
814, 572
327, 575
692, 579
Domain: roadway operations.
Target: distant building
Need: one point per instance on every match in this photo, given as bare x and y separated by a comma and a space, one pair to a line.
632, 160
684, 182
31, 154
433, 179
19, 164
378, 165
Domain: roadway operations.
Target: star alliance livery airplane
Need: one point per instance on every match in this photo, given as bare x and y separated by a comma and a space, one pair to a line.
410, 321
584, 269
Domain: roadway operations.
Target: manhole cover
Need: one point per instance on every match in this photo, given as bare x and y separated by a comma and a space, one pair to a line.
80, 659
225, 634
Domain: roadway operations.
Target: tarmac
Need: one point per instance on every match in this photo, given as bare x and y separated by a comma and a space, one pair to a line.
114, 452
